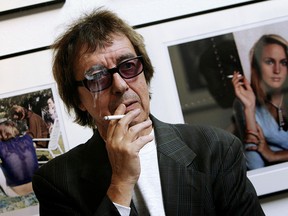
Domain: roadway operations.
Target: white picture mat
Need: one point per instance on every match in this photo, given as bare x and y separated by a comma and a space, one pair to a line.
163, 86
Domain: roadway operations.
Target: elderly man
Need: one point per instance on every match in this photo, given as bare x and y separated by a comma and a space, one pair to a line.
134, 164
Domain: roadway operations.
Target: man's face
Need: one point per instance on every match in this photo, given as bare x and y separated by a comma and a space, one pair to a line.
18, 115
133, 93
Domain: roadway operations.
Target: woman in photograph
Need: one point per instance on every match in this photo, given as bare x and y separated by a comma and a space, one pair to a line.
264, 103
18, 160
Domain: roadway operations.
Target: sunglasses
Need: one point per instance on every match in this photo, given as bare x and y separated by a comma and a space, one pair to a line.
99, 78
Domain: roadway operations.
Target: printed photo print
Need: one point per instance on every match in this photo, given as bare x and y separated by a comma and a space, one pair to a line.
30, 135
258, 58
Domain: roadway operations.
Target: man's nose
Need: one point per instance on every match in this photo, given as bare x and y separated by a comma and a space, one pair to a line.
119, 85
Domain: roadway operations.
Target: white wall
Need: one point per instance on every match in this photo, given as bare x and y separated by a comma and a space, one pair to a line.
38, 28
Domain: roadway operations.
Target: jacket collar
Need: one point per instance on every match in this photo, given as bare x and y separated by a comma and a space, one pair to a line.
169, 143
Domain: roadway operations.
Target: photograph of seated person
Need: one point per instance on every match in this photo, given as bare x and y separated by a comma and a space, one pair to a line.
136, 164
51, 114
37, 127
265, 103
18, 160
52, 108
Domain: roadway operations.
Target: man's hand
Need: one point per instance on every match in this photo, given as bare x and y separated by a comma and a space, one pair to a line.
123, 145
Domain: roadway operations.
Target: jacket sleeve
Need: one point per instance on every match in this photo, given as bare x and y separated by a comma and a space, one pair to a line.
54, 202
51, 200
49, 187
234, 194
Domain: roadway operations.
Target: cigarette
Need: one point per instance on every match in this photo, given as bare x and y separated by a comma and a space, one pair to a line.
231, 76
113, 117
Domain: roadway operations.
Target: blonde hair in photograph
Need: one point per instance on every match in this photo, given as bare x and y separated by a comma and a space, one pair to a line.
8, 130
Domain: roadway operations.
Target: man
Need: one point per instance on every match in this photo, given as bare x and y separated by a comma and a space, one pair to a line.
135, 165
37, 127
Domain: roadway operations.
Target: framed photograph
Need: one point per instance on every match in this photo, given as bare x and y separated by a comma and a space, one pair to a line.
7, 7
34, 112
194, 59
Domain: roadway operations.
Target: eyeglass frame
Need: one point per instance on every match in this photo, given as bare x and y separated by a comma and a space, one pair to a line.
111, 71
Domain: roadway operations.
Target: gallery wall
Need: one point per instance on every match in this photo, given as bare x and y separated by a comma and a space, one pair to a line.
25, 61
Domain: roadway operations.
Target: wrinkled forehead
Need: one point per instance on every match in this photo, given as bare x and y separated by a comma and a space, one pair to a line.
107, 58
110, 54
116, 43
119, 49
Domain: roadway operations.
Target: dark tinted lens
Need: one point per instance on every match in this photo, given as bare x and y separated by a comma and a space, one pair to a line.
130, 68
99, 81
99, 78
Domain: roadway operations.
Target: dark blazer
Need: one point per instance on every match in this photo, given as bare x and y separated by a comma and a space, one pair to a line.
202, 172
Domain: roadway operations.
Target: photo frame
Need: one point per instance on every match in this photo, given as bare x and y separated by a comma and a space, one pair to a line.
169, 94
41, 101
8, 7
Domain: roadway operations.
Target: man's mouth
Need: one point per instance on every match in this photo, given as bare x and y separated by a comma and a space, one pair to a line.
130, 105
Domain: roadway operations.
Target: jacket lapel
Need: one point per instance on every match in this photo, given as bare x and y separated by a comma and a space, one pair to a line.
181, 184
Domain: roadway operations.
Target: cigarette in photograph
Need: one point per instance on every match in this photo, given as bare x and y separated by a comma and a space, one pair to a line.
231, 75
113, 117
